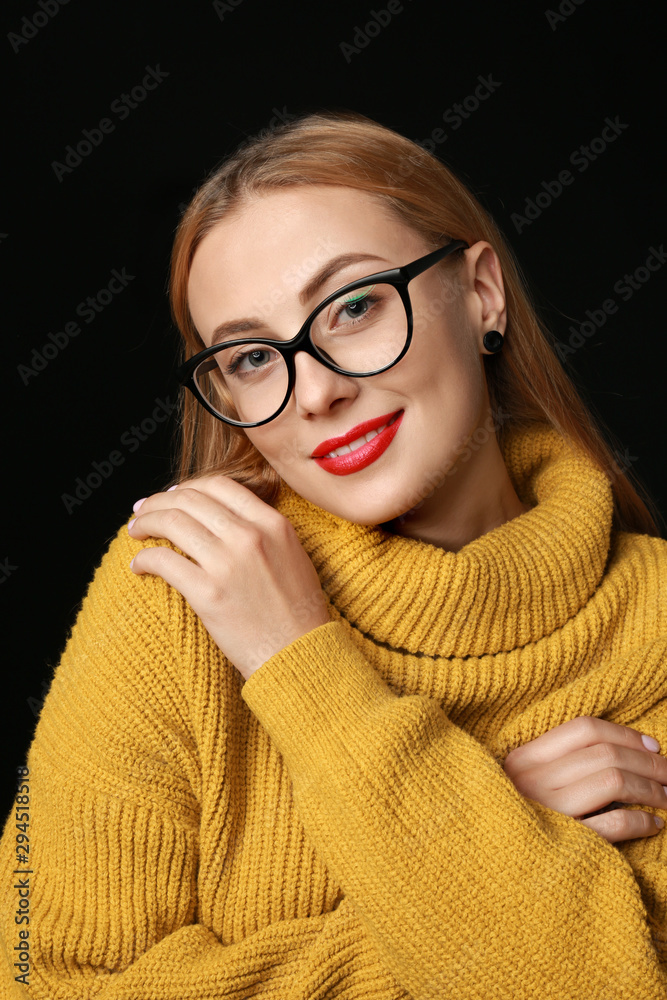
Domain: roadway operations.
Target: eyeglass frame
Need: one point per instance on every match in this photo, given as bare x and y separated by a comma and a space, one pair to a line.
399, 277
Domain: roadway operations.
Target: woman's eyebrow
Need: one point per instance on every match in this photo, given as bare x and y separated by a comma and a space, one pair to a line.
233, 327
332, 267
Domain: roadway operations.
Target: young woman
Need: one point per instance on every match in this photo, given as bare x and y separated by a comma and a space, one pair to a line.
366, 704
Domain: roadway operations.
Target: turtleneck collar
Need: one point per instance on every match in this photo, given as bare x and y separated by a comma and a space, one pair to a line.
511, 586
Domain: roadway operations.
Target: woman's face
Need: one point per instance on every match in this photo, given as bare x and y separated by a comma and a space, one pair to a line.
256, 261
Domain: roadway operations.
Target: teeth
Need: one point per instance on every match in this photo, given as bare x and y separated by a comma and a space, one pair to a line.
347, 448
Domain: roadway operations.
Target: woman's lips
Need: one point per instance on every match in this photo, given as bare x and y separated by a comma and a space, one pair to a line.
352, 437
358, 459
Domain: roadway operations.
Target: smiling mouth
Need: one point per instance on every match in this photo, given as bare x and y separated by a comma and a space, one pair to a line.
346, 449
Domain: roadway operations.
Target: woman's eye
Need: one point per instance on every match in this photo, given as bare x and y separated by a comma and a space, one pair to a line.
356, 308
356, 305
256, 359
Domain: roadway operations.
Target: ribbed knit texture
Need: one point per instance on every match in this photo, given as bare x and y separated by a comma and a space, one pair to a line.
340, 825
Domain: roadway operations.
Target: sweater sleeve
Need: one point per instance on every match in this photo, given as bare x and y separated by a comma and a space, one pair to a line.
99, 857
466, 887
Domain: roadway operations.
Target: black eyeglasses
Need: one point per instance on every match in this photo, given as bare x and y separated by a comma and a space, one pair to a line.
361, 329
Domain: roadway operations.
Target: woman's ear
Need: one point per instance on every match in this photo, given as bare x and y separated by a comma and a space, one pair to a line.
485, 289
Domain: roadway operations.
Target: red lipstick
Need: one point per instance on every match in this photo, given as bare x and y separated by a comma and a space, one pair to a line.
367, 453
368, 425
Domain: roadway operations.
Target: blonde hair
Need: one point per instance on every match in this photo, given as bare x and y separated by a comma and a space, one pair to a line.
526, 380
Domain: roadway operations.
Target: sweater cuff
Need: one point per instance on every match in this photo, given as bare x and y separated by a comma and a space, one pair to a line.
316, 684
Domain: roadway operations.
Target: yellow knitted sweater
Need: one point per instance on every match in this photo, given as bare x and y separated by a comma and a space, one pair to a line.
340, 825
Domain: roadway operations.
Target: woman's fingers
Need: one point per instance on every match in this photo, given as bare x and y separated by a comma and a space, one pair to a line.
210, 503
238, 500
619, 772
178, 572
597, 788
180, 527
576, 734
589, 769
198, 520
622, 824
583, 780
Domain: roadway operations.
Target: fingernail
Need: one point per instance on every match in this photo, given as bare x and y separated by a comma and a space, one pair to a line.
138, 504
659, 821
131, 523
650, 743
172, 488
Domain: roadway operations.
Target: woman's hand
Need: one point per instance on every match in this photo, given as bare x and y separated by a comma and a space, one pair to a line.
248, 577
586, 764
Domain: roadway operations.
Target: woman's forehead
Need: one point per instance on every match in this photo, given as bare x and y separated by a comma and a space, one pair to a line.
270, 227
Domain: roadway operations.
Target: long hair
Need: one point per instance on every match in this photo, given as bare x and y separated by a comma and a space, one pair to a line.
526, 380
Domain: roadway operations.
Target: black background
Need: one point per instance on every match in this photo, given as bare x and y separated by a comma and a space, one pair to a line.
227, 70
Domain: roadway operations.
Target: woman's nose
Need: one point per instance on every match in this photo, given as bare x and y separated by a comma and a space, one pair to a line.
317, 387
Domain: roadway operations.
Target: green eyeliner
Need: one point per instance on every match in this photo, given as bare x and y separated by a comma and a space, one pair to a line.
362, 294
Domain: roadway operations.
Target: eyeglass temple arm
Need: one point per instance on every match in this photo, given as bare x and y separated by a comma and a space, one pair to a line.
417, 266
